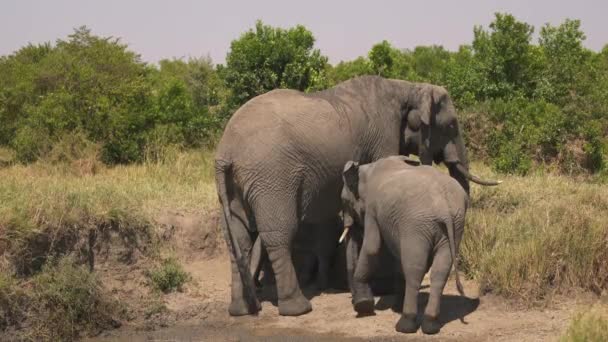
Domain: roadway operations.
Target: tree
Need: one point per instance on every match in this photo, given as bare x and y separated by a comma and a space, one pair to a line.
347, 70
566, 61
268, 58
429, 63
505, 56
86, 83
381, 58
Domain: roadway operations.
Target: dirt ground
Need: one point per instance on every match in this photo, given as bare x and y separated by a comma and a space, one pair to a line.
199, 312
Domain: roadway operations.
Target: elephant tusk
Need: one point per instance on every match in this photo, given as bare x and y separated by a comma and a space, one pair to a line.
343, 236
474, 178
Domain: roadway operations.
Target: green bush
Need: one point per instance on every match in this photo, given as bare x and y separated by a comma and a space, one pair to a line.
97, 86
595, 146
169, 276
30, 143
67, 300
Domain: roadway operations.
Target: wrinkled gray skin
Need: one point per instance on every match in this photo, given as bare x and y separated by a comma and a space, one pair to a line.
418, 212
280, 160
313, 250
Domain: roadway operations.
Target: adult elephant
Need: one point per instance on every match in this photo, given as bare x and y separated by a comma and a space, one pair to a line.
279, 164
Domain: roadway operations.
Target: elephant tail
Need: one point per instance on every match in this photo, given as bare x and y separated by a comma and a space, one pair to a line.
223, 177
455, 259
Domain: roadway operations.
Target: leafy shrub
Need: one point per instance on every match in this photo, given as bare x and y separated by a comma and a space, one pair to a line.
595, 147
67, 300
30, 143
266, 58
169, 276
97, 86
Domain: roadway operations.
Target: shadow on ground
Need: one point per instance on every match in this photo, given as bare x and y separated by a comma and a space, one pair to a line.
452, 307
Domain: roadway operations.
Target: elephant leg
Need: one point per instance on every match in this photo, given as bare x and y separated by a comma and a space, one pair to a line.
440, 271
238, 305
277, 224
303, 253
414, 258
398, 288
326, 240
362, 296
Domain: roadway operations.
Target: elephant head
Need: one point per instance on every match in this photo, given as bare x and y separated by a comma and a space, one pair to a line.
354, 178
431, 131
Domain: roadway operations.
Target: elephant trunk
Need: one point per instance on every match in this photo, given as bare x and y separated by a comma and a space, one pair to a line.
455, 153
455, 157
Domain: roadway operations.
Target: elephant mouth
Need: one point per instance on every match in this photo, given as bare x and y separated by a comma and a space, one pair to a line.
471, 177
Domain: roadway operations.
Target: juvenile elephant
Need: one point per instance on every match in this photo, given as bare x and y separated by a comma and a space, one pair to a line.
279, 163
418, 212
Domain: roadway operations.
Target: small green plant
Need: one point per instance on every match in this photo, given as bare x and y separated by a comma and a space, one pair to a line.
590, 326
67, 300
169, 276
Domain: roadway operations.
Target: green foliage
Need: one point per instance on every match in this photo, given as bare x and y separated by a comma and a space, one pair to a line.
30, 143
66, 300
525, 131
347, 70
505, 57
430, 64
268, 58
595, 146
541, 104
381, 58
169, 276
97, 86
566, 61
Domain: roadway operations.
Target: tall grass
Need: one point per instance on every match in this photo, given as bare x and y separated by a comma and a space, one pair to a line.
45, 208
532, 236
51, 212
526, 239
590, 325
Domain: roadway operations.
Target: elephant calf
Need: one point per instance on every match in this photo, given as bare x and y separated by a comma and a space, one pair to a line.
418, 212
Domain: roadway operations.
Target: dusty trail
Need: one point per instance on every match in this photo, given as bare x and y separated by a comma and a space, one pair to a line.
487, 319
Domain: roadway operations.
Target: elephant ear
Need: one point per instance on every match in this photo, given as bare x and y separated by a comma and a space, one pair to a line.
351, 177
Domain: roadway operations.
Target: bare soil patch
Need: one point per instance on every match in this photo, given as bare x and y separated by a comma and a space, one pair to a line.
200, 314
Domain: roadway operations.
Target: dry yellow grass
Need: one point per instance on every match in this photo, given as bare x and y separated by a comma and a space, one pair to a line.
534, 235
590, 325
525, 239
46, 207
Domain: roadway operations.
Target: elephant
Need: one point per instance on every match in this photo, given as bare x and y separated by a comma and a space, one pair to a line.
279, 162
313, 251
418, 213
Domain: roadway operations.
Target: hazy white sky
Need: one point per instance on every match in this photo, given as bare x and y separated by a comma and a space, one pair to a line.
344, 29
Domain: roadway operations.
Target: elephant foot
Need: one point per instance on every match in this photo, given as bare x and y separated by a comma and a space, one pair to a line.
364, 306
363, 300
430, 325
296, 306
239, 307
407, 324
397, 305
